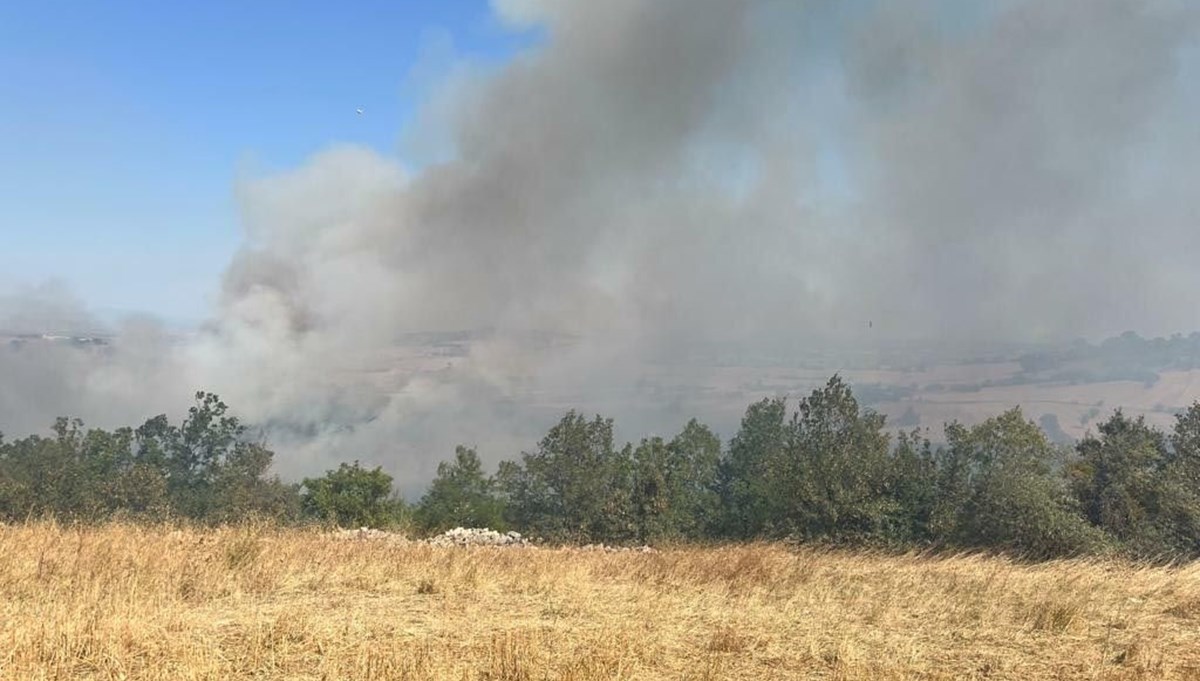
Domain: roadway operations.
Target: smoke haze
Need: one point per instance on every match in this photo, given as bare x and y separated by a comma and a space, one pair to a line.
658, 174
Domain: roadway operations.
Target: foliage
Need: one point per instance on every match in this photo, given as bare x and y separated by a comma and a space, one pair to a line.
912, 486
461, 495
999, 489
576, 486
836, 475
204, 469
749, 471
675, 485
826, 471
1118, 479
1180, 506
352, 496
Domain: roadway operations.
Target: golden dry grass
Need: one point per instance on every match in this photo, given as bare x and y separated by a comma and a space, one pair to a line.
130, 602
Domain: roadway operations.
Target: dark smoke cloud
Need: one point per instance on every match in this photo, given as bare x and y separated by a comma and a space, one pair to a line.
660, 174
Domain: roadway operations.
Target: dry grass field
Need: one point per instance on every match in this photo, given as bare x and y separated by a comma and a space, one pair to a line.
129, 602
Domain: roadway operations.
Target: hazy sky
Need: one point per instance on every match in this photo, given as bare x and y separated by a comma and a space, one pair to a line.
125, 125
641, 176
128, 127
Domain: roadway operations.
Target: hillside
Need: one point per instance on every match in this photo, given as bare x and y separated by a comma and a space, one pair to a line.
139, 603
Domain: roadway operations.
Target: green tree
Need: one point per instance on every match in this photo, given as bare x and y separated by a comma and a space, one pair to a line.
1180, 487
913, 486
242, 489
194, 451
575, 487
999, 488
675, 484
350, 496
694, 461
750, 471
77, 474
826, 472
213, 469
835, 480
207, 468
35, 478
461, 495
652, 499
1118, 478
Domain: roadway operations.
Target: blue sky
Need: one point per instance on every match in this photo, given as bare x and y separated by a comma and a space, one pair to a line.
125, 124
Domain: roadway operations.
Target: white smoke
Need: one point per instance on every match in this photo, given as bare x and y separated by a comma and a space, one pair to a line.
659, 174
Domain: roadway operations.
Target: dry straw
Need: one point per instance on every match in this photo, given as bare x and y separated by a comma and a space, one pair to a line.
133, 602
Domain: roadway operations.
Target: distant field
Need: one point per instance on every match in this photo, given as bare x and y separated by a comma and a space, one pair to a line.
124, 602
929, 394
1077, 407
921, 386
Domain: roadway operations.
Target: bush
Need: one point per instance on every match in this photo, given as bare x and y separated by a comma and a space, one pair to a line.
575, 487
353, 496
998, 489
461, 495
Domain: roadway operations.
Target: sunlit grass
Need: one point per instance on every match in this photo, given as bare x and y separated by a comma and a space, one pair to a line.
132, 602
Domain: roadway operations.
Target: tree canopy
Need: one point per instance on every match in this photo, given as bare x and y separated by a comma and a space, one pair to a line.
823, 470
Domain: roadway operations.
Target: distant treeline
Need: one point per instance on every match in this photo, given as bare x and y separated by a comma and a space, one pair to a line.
1127, 357
823, 470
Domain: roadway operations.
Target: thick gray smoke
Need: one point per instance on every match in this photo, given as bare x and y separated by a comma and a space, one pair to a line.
654, 175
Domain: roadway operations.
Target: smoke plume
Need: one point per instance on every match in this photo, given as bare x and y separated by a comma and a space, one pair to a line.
657, 176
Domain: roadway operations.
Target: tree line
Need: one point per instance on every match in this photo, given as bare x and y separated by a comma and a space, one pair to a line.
824, 470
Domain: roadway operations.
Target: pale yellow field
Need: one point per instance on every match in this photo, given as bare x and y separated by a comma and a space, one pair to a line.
126, 602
